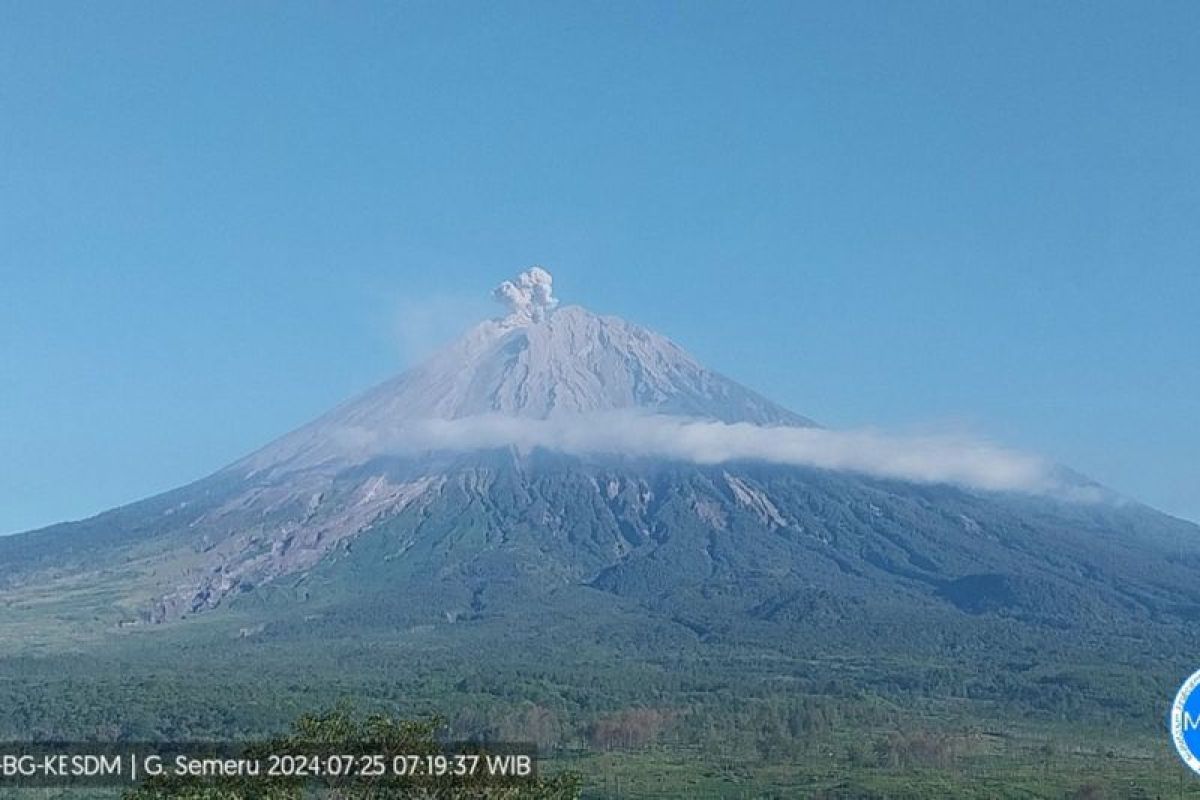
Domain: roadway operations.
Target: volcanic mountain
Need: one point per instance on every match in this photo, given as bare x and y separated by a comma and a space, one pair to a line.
556, 457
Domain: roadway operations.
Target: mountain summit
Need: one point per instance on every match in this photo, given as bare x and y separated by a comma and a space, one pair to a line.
540, 361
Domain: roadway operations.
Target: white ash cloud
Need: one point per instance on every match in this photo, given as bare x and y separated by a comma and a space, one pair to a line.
923, 459
529, 296
424, 323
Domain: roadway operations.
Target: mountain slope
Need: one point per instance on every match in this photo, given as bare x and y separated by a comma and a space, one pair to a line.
335, 512
569, 362
729, 545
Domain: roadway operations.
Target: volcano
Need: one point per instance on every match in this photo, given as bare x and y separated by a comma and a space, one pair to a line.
557, 458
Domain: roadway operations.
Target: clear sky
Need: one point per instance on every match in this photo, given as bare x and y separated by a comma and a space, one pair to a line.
219, 219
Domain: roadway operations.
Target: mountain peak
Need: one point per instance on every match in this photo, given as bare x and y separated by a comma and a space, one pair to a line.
541, 361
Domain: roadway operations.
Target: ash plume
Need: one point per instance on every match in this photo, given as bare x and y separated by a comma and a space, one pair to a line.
529, 296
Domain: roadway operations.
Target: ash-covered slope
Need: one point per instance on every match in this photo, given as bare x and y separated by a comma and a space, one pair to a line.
538, 362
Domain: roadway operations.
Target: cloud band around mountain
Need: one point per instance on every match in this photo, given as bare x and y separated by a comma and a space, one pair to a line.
924, 459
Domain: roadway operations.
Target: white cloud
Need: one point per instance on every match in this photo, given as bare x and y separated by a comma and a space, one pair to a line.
925, 459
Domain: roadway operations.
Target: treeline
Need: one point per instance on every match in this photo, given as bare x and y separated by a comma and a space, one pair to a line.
770, 728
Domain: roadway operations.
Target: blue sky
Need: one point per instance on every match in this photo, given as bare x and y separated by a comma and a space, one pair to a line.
219, 219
